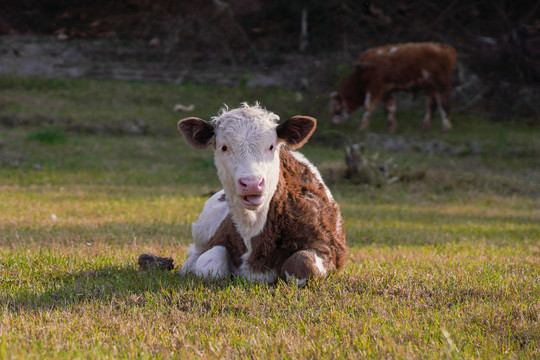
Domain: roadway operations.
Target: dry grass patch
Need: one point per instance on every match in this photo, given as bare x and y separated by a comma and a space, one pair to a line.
390, 301
443, 267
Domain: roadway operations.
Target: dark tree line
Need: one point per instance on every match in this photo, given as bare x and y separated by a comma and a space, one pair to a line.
274, 24
499, 40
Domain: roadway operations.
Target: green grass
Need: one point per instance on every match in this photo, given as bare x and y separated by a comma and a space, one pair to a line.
48, 136
442, 267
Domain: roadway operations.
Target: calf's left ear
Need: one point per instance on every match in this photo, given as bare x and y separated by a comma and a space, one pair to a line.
296, 131
198, 133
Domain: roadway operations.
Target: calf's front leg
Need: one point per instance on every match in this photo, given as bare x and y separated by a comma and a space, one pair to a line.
304, 265
189, 264
214, 263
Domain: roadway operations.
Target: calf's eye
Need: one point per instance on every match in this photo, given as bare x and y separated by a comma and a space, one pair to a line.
224, 148
271, 147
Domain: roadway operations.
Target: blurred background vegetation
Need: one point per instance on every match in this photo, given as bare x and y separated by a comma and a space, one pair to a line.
498, 41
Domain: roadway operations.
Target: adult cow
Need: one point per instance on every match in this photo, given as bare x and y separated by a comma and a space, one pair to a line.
381, 71
275, 217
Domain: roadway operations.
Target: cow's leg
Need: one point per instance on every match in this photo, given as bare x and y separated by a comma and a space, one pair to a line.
430, 108
370, 104
213, 263
443, 102
303, 265
390, 106
214, 212
189, 264
256, 275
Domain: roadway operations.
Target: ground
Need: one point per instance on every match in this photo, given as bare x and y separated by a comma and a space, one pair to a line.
137, 60
444, 265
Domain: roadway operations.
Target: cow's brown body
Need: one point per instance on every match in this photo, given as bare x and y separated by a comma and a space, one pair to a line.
381, 71
301, 217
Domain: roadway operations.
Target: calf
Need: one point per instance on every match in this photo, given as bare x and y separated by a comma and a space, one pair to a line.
382, 70
275, 217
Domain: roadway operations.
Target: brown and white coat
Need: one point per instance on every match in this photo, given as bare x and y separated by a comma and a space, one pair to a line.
381, 71
275, 217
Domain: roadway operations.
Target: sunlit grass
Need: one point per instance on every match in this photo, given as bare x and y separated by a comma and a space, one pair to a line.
444, 267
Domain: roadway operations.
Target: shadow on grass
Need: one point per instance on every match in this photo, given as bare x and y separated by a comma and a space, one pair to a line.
110, 283
126, 286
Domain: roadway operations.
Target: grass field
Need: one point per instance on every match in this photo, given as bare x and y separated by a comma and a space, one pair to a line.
444, 266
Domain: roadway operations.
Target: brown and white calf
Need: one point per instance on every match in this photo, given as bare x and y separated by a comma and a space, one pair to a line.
275, 217
381, 71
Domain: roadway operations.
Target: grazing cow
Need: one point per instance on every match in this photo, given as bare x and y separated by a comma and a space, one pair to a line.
382, 70
275, 217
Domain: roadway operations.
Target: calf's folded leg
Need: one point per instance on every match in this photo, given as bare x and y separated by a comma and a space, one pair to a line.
303, 265
214, 263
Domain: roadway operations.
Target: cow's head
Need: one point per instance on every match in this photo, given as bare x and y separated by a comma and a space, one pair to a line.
351, 95
246, 143
338, 108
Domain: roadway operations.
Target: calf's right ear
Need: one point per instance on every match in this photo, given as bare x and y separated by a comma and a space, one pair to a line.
296, 131
197, 132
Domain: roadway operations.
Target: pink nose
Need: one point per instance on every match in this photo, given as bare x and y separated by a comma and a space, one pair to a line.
251, 185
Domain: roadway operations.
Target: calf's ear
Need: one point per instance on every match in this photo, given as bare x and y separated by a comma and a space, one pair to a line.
296, 131
197, 132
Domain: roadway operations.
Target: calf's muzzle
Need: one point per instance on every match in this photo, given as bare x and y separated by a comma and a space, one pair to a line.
251, 190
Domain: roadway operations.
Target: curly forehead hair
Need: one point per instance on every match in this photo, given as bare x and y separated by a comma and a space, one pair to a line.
245, 111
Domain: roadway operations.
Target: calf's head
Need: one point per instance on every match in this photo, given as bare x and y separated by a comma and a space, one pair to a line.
246, 143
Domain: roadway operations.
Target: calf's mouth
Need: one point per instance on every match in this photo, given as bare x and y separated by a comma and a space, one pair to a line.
252, 201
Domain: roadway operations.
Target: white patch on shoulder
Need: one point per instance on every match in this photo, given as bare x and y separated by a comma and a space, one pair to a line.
294, 279
214, 212
425, 74
392, 50
302, 159
214, 263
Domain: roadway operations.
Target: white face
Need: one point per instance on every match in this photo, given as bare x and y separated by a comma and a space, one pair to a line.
247, 156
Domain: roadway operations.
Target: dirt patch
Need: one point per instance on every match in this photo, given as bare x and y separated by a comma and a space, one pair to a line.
138, 60
396, 143
134, 127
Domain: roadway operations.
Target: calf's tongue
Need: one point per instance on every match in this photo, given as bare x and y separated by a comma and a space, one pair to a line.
253, 199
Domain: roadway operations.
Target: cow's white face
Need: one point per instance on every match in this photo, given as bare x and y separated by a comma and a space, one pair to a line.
246, 143
247, 155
